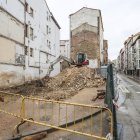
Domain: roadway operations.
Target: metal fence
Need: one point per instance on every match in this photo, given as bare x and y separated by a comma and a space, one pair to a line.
110, 96
59, 115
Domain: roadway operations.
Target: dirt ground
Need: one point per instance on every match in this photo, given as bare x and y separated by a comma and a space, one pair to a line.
74, 85
84, 97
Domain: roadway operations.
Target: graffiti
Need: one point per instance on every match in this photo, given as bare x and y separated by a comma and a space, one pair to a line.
20, 59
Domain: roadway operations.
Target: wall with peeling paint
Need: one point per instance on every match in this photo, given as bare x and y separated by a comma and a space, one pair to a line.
11, 75
7, 51
11, 28
14, 7
16, 67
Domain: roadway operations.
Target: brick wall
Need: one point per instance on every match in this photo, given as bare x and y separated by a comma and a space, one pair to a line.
105, 52
87, 42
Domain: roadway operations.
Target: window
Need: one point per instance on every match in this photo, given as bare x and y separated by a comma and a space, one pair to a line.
137, 63
49, 44
31, 52
47, 15
26, 30
47, 60
26, 50
47, 29
31, 12
26, 7
31, 33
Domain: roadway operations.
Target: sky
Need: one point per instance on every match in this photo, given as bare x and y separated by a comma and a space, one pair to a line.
121, 19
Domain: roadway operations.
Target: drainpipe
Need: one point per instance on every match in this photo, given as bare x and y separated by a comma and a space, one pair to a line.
39, 65
70, 35
24, 36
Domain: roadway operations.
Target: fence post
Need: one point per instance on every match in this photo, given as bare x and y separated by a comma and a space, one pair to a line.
22, 111
110, 95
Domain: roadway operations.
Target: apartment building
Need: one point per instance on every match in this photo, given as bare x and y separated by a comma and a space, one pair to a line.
126, 44
29, 41
64, 51
86, 34
131, 56
136, 51
65, 48
122, 59
118, 63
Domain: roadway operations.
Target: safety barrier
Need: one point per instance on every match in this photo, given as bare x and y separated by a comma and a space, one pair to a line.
11, 98
59, 115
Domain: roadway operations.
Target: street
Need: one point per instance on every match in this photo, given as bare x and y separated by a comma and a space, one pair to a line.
128, 114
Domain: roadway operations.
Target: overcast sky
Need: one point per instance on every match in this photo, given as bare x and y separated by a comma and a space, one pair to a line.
121, 18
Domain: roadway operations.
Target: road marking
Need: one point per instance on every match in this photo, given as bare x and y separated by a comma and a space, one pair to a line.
123, 89
138, 92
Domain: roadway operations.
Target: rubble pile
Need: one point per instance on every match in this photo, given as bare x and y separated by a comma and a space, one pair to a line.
75, 79
62, 86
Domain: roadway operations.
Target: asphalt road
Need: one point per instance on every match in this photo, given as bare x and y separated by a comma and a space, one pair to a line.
128, 114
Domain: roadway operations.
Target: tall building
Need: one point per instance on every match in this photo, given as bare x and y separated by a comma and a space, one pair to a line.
86, 34
136, 54
122, 59
65, 48
130, 56
29, 41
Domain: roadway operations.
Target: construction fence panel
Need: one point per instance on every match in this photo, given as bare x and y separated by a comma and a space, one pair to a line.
61, 115
12, 104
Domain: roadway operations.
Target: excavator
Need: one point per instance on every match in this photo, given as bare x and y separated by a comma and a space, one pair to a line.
61, 57
81, 59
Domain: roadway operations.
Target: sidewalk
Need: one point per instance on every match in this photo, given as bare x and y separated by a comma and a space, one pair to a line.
134, 78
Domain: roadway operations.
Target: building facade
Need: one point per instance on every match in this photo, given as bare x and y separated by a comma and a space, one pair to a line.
64, 51
131, 65
65, 48
86, 34
136, 52
29, 41
122, 59
126, 44
118, 63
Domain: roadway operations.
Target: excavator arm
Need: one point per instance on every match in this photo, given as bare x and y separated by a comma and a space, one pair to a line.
61, 57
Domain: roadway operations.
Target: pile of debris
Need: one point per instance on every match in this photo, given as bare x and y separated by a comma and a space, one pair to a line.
62, 86
75, 79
